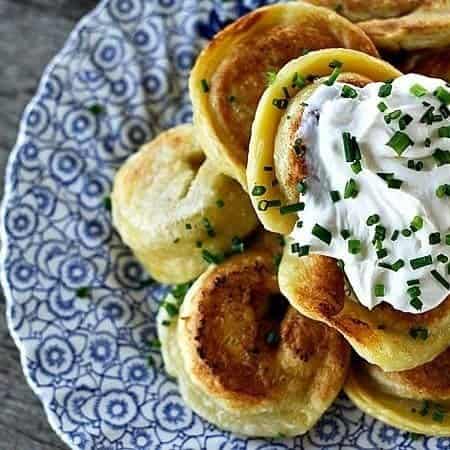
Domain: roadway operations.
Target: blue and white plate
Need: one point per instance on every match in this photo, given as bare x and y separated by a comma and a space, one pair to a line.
120, 79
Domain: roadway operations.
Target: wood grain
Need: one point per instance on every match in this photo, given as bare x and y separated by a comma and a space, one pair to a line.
32, 32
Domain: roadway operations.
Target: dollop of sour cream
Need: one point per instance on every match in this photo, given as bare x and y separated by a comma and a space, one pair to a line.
396, 225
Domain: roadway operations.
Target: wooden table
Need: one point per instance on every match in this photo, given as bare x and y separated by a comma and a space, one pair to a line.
31, 32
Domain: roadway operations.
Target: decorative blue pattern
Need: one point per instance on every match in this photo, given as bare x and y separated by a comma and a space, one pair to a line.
87, 358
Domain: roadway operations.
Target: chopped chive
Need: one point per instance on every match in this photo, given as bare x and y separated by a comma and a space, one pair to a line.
292, 208
419, 333
272, 338
277, 260
404, 121
298, 81
434, 238
351, 189
154, 343
258, 190
188, 226
398, 265
442, 157
295, 247
199, 244
237, 245
303, 250
171, 309
372, 220
354, 246
264, 205
321, 233
417, 90
392, 115
411, 164
416, 223
427, 142
356, 167
416, 303
220, 203
418, 263
208, 227
268, 168
447, 239
385, 90
335, 196
348, 92
414, 291
395, 235
385, 175
333, 77
299, 224
280, 103
271, 76
444, 111
382, 106
442, 190
444, 132
302, 187
382, 253
212, 258
442, 258
394, 183
379, 290
413, 282
205, 86
348, 148
442, 95
335, 63
399, 142
440, 279
345, 234
419, 166
166, 323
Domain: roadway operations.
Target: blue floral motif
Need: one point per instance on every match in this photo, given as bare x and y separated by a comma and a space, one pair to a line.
121, 78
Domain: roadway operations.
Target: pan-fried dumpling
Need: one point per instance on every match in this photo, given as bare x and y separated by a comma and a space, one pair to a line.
232, 72
416, 400
174, 208
243, 358
433, 63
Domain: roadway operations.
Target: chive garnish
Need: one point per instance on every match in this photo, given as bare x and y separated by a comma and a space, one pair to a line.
413, 282
303, 250
272, 338
264, 205
404, 121
188, 226
345, 234
440, 279
258, 190
351, 189
444, 132
385, 90
336, 72
417, 90
321, 233
356, 167
423, 261
442, 95
398, 265
434, 238
302, 187
419, 333
416, 303
268, 168
394, 183
208, 227
298, 81
443, 190
354, 246
392, 115
373, 219
335, 196
171, 309
414, 291
349, 151
212, 258
204, 85
427, 142
382, 106
411, 164
348, 92
382, 253
292, 208
399, 142
271, 76
220, 203
280, 103
442, 258
419, 166
395, 234
442, 157
237, 245
416, 223
385, 175
447, 239
379, 290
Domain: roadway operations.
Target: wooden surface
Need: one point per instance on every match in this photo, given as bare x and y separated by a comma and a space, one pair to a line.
31, 32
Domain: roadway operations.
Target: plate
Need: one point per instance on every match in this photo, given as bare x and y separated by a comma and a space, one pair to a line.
80, 307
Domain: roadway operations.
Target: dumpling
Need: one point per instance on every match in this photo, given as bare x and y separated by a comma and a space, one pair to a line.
403, 24
232, 72
314, 285
433, 63
174, 208
416, 400
273, 168
243, 358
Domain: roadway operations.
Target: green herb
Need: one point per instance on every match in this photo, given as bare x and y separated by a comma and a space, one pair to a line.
322, 233
434, 238
427, 142
440, 279
395, 235
392, 115
417, 90
272, 338
345, 234
414, 291
220, 203
447, 239
442, 258
348, 92
280, 103
394, 183
292, 208
336, 65
419, 333
264, 205
172, 310
385, 90
154, 343
404, 121
413, 282
208, 227
406, 232
212, 258
335, 196
271, 76
205, 86
379, 290
442, 157
382, 253
351, 189
416, 223
385, 175
418, 263
303, 250
444, 132
382, 106
416, 303
354, 246
258, 190
298, 81
443, 190
419, 166
166, 323
399, 142
237, 245
442, 95
302, 187
356, 167
373, 219
83, 292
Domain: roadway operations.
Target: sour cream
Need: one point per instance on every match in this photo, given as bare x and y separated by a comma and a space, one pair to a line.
414, 205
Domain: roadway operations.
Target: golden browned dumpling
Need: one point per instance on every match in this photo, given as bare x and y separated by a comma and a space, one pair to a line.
416, 400
383, 336
232, 72
275, 165
402, 24
433, 63
244, 359
175, 210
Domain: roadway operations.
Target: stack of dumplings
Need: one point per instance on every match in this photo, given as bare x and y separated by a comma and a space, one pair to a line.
261, 341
